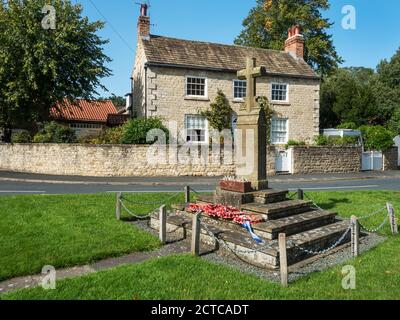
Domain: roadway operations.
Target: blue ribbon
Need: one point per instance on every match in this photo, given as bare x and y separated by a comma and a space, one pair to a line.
247, 226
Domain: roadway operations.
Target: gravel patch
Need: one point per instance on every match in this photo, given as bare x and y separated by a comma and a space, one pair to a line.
301, 270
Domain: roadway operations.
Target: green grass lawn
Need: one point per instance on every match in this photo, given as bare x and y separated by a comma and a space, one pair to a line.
378, 271
66, 231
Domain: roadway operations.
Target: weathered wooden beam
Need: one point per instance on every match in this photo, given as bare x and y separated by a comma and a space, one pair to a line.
392, 217
163, 224
187, 195
355, 236
196, 228
283, 259
300, 194
118, 206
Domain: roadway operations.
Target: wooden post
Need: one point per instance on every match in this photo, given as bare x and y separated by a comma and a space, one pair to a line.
283, 259
393, 220
163, 224
355, 236
187, 195
300, 194
196, 234
118, 206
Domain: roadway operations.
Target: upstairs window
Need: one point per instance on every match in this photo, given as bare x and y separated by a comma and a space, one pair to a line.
239, 89
279, 131
196, 128
196, 86
280, 92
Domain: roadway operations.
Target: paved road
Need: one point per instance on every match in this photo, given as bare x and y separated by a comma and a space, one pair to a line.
14, 184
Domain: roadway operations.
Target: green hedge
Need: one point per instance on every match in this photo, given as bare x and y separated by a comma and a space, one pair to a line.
136, 131
55, 133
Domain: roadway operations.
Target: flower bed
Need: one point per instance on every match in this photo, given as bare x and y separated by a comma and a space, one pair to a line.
224, 212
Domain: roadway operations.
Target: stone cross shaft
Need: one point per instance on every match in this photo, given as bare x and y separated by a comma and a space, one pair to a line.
250, 74
252, 132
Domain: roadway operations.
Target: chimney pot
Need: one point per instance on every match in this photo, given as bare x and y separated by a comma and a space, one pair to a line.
295, 42
143, 10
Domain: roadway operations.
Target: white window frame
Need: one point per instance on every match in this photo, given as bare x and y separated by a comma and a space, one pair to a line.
233, 89
206, 134
287, 131
287, 92
205, 87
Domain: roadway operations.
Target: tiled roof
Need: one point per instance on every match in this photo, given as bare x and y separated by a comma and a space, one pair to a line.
83, 110
204, 55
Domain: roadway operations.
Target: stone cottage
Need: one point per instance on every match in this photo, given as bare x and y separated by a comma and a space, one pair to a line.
175, 79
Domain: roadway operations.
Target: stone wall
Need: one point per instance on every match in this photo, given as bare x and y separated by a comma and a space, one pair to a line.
390, 159
125, 161
103, 161
326, 159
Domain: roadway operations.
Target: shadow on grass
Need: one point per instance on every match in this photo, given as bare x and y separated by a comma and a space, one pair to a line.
332, 203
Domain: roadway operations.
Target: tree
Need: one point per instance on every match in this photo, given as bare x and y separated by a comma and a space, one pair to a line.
394, 122
347, 95
118, 101
220, 114
267, 25
387, 88
41, 66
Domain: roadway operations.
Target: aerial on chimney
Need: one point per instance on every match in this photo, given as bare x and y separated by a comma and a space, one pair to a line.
295, 42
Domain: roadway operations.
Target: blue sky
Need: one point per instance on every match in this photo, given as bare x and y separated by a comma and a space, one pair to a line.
375, 38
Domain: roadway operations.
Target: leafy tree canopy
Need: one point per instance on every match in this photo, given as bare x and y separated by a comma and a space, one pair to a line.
118, 101
267, 27
41, 66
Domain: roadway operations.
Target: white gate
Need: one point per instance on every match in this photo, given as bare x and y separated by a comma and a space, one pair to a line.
283, 161
372, 161
397, 143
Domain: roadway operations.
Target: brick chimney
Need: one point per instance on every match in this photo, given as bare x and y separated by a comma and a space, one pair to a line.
295, 43
143, 23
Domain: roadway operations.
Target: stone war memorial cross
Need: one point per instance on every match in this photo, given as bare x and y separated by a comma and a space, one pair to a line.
251, 138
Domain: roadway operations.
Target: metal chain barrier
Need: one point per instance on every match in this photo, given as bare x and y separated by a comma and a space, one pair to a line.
155, 204
385, 221
141, 217
313, 202
373, 214
292, 196
151, 203
196, 192
336, 244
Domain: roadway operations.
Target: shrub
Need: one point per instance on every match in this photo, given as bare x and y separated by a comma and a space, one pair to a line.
136, 130
110, 136
295, 143
321, 140
21, 137
335, 141
55, 133
377, 138
347, 125
220, 113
